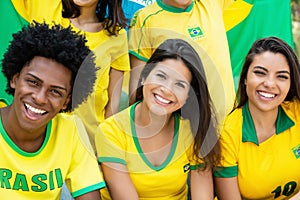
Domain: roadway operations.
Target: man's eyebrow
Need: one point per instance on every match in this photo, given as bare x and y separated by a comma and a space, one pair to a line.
53, 86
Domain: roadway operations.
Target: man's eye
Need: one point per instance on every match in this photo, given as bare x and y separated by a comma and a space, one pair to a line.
56, 92
32, 82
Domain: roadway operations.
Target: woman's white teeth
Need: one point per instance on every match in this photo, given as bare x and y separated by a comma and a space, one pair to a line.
35, 110
267, 95
162, 99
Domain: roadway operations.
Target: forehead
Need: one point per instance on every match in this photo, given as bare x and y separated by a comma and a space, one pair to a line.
48, 71
271, 61
175, 68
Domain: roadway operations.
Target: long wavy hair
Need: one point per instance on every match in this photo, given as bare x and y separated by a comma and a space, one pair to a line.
198, 108
274, 45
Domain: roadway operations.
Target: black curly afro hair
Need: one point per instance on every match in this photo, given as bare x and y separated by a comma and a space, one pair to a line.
54, 42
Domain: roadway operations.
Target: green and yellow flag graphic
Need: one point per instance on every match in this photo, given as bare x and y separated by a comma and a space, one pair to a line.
249, 20
11, 22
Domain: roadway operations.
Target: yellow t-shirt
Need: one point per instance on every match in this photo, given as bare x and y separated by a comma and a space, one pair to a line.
117, 142
65, 156
201, 24
269, 170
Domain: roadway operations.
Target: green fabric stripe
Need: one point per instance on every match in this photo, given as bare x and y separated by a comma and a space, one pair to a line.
139, 149
226, 172
248, 128
17, 149
267, 18
138, 56
283, 122
11, 22
111, 159
88, 189
174, 9
195, 167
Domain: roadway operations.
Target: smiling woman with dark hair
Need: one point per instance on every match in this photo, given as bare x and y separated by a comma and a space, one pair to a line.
260, 141
170, 131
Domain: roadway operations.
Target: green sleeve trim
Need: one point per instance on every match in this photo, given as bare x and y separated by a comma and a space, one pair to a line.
111, 159
226, 172
138, 56
91, 188
195, 167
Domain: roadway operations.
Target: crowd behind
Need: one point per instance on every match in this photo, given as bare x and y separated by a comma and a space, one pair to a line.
137, 100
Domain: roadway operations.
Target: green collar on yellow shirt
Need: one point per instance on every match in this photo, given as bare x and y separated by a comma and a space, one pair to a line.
283, 122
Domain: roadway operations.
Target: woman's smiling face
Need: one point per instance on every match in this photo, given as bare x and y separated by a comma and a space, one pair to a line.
268, 81
167, 86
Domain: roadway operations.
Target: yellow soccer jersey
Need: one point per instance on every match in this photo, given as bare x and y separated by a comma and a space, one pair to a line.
63, 157
269, 170
117, 142
201, 24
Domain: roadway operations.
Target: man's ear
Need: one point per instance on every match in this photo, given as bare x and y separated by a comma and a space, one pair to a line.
13, 80
67, 102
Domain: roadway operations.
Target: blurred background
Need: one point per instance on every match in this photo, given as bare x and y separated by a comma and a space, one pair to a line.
295, 5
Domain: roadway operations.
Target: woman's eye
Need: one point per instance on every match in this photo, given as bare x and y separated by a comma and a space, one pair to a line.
161, 76
283, 77
258, 72
180, 85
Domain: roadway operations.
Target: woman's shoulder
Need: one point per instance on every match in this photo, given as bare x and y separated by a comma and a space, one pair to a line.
120, 120
292, 108
234, 117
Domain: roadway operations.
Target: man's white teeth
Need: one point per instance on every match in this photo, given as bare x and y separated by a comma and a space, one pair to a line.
267, 95
162, 99
35, 110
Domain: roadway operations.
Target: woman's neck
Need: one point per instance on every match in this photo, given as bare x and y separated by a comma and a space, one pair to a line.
264, 122
87, 20
147, 123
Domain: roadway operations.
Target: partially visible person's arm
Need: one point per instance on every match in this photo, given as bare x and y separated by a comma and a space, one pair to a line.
118, 182
137, 66
202, 185
94, 195
227, 189
114, 92
296, 197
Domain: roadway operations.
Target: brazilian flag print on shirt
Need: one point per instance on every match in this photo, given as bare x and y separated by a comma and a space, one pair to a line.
249, 20
11, 22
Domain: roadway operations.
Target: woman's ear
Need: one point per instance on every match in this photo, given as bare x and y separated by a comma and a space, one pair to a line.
13, 80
